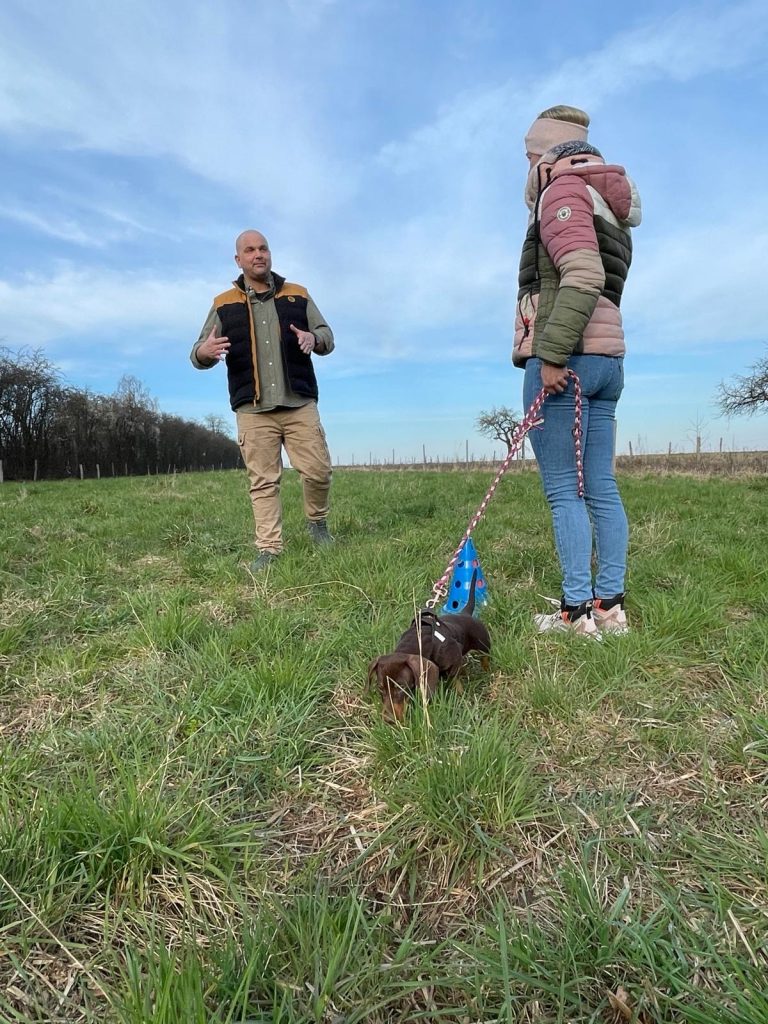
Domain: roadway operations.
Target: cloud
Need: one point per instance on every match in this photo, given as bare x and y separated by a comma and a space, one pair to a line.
426, 276
696, 41
699, 286
63, 228
95, 228
311, 12
82, 302
245, 123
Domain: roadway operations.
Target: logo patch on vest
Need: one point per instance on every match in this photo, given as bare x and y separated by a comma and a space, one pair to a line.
563, 213
290, 298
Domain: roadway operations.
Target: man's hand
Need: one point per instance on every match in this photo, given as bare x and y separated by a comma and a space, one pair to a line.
306, 340
554, 378
213, 348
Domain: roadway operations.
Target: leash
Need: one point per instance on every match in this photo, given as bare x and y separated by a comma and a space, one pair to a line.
530, 420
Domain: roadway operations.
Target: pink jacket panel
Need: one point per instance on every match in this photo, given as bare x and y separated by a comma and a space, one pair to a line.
567, 218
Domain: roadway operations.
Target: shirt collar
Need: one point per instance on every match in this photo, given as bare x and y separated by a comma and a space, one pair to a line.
262, 296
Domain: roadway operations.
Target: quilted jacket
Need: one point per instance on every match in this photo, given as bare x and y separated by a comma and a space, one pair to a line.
575, 260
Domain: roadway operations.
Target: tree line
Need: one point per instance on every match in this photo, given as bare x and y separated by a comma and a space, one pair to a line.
52, 430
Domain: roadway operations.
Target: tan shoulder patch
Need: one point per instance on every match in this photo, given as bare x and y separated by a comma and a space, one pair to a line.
231, 295
290, 289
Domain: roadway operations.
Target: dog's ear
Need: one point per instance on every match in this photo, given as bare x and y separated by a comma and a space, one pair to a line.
372, 672
431, 672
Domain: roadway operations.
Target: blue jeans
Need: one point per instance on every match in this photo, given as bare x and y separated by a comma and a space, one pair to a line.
601, 513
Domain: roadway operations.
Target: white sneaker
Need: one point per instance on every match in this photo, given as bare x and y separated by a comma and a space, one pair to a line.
568, 620
613, 619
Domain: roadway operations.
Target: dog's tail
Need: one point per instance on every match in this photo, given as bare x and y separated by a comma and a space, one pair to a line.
470, 606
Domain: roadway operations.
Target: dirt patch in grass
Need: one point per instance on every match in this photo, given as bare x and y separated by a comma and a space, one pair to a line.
39, 714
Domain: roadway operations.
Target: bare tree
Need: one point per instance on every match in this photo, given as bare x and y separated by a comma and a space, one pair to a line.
216, 424
696, 434
746, 395
500, 425
29, 391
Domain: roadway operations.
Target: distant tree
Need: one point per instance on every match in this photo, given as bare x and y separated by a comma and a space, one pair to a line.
696, 433
135, 421
500, 425
30, 390
81, 434
746, 395
216, 424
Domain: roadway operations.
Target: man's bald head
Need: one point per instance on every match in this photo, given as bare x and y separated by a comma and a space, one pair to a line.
253, 257
250, 234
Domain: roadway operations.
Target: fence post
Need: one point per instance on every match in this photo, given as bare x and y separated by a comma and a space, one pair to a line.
1, 471
81, 471
98, 472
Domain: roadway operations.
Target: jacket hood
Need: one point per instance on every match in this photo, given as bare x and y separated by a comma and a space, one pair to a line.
610, 181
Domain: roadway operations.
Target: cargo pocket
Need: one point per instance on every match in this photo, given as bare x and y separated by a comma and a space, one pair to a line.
324, 445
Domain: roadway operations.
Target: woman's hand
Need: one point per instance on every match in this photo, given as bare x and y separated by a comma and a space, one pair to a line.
554, 378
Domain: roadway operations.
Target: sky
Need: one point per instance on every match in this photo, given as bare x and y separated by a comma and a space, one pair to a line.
378, 144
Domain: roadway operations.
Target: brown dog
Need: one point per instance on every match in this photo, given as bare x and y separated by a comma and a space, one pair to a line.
432, 648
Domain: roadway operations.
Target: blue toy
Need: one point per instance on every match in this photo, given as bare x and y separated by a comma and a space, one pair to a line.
458, 595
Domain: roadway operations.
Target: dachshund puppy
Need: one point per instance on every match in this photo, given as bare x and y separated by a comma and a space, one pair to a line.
431, 649
399, 675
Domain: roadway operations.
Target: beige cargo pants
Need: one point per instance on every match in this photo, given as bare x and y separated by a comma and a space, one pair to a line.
261, 437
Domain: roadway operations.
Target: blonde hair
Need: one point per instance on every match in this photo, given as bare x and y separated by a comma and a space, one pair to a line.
562, 112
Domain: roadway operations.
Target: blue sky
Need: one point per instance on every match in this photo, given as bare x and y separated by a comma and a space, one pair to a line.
378, 145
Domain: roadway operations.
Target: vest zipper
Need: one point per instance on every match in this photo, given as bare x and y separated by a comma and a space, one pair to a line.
256, 382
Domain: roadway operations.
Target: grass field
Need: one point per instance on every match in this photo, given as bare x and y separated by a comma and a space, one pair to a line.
202, 818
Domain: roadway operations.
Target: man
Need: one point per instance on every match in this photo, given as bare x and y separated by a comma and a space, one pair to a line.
267, 329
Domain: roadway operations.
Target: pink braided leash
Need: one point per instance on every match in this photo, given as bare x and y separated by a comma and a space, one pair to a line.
530, 420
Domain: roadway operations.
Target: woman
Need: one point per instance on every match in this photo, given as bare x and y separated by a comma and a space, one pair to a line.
575, 260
